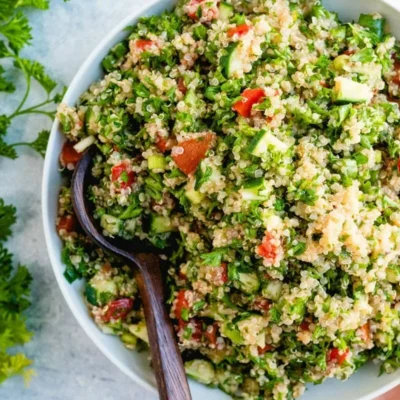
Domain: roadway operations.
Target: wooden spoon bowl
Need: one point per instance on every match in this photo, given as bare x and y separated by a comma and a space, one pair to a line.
167, 361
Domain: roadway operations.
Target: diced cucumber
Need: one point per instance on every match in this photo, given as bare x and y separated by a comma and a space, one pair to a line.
140, 331
201, 370
160, 224
232, 332
340, 61
349, 91
90, 121
111, 224
272, 290
263, 141
128, 339
248, 282
194, 196
231, 62
226, 11
375, 25
255, 189
228, 381
156, 161
100, 290
191, 98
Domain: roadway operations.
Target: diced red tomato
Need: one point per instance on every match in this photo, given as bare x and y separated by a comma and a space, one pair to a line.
67, 223
117, 309
349, 52
337, 356
262, 304
365, 332
69, 155
195, 325
120, 174
181, 85
263, 350
211, 333
181, 303
143, 44
250, 97
194, 150
161, 144
398, 165
267, 248
239, 30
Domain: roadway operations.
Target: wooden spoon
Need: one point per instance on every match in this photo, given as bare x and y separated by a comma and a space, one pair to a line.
167, 362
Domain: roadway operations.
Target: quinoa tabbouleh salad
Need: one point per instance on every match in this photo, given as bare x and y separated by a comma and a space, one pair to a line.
257, 144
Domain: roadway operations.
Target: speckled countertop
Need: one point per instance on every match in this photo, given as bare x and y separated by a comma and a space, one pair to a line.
68, 364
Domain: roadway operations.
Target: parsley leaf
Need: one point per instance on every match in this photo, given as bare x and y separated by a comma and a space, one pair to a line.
36, 71
3, 50
214, 259
6, 9
5, 85
202, 177
40, 4
7, 218
40, 144
7, 150
17, 31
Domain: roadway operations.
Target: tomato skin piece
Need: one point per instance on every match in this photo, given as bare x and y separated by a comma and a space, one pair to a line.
211, 334
267, 249
262, 304
398, 165
239, 30
194, 150
337, 356
161, 144
117, 309
181, 303
143, 44
263, 350
181, 85
116, 172
67, 223
69, 155
250, 97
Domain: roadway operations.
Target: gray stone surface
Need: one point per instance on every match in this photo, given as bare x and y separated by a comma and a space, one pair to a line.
68, 364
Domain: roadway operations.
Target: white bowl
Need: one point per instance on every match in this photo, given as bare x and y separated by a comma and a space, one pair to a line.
363, 385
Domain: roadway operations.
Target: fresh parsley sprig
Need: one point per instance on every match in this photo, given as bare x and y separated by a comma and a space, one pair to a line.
14, 293
15, 34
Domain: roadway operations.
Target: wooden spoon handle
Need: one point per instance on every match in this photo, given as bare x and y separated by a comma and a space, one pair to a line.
167, 361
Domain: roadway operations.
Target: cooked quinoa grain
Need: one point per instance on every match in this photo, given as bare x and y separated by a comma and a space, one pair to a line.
256, 144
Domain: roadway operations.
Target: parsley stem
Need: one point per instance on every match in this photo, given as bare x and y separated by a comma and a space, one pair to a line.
50, 114
28, 87
28, 110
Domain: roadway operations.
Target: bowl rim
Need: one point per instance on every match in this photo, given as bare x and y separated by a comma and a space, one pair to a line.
49, 223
